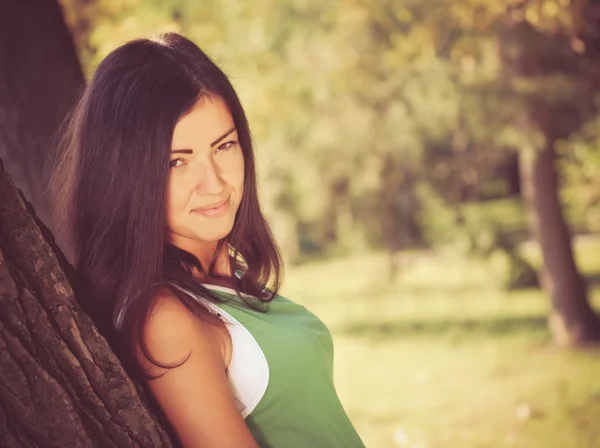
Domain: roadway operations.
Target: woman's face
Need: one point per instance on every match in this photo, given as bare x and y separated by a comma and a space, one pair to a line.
206, 178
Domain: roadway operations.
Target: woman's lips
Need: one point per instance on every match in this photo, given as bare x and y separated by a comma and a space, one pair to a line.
215, 210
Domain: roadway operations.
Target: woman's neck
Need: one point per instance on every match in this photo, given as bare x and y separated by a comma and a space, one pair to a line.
219, 270
213, 257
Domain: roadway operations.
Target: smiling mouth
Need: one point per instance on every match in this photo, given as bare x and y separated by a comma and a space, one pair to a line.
213, 209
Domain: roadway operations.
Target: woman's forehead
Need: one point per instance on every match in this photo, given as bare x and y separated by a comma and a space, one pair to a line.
207, 122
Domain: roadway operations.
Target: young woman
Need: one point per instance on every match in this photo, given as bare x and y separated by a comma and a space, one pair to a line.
178, 268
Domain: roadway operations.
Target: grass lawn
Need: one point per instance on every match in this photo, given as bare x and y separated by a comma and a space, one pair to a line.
444, 357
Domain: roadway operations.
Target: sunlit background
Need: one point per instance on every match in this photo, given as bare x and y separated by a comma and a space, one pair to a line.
408, 151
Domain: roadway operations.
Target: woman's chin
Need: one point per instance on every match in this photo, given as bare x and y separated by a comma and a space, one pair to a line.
216, 236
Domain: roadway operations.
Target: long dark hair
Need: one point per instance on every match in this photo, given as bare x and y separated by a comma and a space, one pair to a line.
108, 184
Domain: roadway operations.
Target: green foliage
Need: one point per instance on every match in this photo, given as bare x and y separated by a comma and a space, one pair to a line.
521, 273
489, 230
580, 167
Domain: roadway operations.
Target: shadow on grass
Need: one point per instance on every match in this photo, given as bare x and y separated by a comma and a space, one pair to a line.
449, 327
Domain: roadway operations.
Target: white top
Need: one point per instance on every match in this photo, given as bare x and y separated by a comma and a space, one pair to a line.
248, 370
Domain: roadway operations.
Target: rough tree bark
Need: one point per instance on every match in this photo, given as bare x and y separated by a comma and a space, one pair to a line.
40, 77
60, 383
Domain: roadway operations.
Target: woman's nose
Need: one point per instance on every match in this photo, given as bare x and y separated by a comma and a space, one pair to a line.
208, 179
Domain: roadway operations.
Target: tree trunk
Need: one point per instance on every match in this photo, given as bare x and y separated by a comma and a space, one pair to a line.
572, 320
533, 56
60, 383
40, 77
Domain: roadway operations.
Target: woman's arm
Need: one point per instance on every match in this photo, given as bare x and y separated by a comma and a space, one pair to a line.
195, 397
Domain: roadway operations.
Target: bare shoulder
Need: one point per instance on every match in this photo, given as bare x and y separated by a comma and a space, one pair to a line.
173, 333
195, 396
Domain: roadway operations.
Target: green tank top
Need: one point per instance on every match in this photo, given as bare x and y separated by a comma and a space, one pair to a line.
300, 407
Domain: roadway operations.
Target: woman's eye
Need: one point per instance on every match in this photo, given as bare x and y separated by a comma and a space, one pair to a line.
227, 145
175, 163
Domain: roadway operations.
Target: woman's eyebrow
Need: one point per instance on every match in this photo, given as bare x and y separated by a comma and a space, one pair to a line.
189, 151
232, 130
